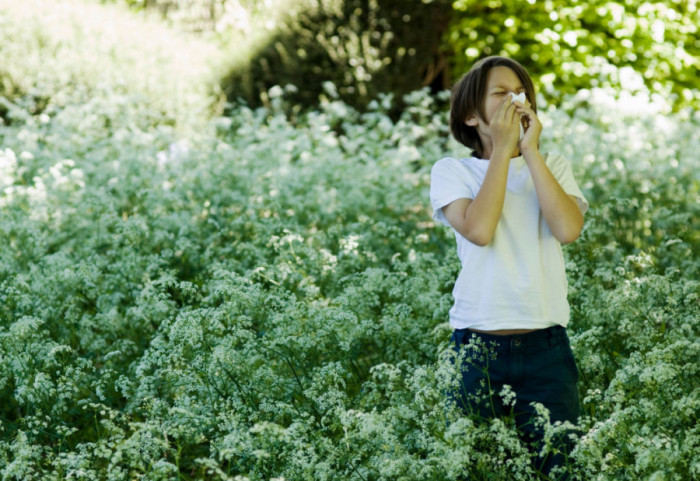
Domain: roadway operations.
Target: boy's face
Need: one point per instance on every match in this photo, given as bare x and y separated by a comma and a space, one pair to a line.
499, 85
501, 82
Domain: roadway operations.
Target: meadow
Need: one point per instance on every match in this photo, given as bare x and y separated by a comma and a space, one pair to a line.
263, 295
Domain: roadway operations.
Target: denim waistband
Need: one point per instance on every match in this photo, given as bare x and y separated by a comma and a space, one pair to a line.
531, 341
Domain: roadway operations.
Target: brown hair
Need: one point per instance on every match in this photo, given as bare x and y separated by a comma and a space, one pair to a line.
468, 98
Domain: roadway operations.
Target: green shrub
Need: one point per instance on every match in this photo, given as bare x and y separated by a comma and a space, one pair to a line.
61, 53
363, 47
267, 297
367, 47
271, 301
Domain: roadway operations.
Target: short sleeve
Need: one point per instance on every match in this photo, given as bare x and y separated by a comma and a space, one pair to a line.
561, 170
449, 181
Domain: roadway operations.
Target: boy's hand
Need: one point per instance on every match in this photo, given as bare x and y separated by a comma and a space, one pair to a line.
504, 125
533, 127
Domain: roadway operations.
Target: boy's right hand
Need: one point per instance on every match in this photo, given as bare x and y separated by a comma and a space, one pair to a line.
505, 127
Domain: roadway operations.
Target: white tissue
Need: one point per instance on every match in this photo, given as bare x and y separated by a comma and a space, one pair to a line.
521, 97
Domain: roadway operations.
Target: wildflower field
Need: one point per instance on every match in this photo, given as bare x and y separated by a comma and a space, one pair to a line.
263, 295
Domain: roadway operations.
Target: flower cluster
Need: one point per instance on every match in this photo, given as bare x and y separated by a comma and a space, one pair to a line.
267, 298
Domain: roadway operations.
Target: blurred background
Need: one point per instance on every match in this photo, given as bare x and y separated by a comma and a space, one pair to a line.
368, 47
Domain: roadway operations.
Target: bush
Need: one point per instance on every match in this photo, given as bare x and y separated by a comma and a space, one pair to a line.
267, 297
367, 47
239, 304
64, 53
363, 47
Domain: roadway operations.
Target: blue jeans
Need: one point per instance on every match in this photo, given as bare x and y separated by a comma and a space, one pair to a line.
538, 366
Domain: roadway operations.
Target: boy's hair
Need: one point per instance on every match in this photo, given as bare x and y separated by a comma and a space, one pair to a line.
468, 98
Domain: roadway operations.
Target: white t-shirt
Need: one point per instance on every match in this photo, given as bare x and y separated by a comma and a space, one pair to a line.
518, 280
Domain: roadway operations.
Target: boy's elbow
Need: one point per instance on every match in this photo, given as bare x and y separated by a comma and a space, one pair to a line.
478, 233
480, 238
568, 239
480, 241
570, 235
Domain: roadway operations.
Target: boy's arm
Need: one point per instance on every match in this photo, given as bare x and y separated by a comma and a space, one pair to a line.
476, 219
560, 210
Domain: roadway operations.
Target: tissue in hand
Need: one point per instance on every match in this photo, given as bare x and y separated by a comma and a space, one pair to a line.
521, 98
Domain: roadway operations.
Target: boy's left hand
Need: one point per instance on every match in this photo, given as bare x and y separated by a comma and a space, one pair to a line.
532, 125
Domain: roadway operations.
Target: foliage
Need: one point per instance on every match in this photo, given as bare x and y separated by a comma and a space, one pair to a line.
364, 47
573, 45
58, 53
270, 301
367, 47
266, 297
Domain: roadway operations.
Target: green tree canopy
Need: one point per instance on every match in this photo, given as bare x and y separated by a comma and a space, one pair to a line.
571, 45
367, 47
